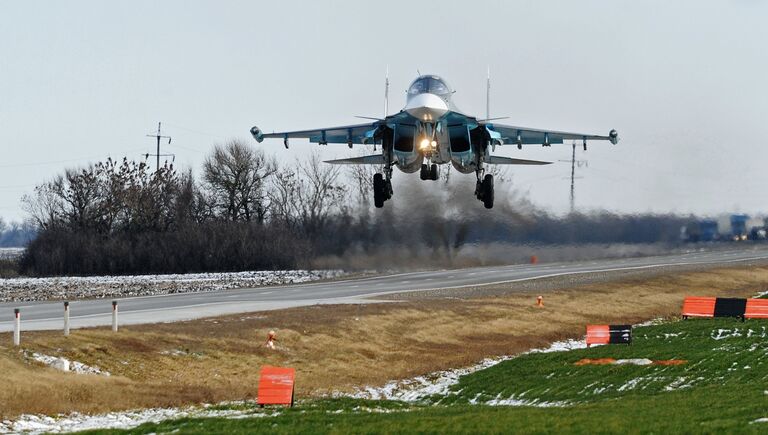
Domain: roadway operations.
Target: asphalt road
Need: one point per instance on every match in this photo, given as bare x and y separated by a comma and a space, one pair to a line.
185, 306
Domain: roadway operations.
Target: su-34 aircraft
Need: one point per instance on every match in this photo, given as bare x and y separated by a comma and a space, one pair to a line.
430, 131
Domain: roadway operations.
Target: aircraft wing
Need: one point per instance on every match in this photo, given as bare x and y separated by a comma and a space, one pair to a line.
347, 134
375, 159
507, 134
499, 160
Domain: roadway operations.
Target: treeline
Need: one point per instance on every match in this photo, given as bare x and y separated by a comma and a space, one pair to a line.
16, 234
122, 217
246, 212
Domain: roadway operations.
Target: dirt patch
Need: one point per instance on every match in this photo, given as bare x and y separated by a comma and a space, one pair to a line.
332, 347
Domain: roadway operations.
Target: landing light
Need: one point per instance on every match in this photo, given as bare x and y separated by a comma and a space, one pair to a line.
424, 144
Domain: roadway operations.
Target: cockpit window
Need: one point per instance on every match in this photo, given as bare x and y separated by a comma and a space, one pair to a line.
431, 84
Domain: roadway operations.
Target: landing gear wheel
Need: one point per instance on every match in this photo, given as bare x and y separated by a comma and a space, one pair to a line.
379, 190
433, 172
424, 174
487, 190
479, 190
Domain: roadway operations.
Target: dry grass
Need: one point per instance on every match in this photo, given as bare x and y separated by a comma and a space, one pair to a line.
332, 347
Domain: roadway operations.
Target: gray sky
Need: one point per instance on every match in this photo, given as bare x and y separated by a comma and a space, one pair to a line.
683, 82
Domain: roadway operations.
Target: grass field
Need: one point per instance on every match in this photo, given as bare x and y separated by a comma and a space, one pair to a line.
333, 348
722, 387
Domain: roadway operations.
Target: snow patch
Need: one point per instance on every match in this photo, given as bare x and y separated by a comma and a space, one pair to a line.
66, 365
74, 287
512, 401
440, 383
634, 361
631, 384
722, 334
11, 253
34, 424
652, 322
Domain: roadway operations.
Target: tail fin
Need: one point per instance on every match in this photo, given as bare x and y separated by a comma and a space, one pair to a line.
386, 93
488, 95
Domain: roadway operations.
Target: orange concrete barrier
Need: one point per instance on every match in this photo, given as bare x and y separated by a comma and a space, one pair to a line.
725, 307
609, 334
534, 259
598, 334
276, 386
756, 309
698, 307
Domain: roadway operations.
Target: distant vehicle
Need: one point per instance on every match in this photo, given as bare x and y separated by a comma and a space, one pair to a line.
705, 230
739, 227
430, 131
758, 233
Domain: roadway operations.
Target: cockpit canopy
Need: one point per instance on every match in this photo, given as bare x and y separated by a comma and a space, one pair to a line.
432, 84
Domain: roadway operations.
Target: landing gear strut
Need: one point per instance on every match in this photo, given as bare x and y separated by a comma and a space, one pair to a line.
382, 189
484, 189
429, 172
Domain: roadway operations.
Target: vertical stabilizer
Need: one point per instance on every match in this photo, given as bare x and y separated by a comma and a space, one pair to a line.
488, 95
386, 93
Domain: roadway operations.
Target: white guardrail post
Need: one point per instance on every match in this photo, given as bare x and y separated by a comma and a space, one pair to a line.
114, 316
17, 328
66, 318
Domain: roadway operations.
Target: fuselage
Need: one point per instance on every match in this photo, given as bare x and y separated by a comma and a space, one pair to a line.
426, 135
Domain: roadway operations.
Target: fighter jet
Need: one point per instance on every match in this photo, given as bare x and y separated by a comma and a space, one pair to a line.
430, 131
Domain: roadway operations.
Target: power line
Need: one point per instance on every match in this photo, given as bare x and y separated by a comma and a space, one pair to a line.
217, 136
55, 162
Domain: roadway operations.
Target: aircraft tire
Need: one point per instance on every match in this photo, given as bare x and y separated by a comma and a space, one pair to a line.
379, 187
433, 172
487, 189
424, 174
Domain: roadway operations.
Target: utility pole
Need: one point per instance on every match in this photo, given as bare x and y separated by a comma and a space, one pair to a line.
573, 173
159, 136
574, 163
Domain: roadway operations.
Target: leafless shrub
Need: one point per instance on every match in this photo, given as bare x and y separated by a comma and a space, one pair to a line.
237, 175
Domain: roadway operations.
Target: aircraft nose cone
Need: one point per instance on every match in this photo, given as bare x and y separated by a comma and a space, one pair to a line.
426, 107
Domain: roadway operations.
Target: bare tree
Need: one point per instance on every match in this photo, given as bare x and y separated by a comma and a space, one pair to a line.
306, 198
362, 178
43, 206
237, 174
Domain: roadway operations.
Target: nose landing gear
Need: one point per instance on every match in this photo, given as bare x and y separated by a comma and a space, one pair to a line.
429, 172
484, 189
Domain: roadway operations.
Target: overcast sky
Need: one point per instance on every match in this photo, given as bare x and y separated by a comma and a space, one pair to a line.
684, 83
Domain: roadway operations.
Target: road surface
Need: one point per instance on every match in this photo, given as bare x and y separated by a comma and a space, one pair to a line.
185, 306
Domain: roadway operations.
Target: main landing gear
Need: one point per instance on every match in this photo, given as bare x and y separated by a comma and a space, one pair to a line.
484, 189
429, 172
382, 189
